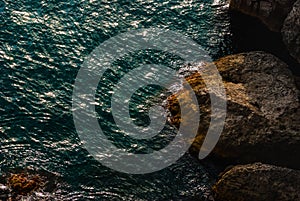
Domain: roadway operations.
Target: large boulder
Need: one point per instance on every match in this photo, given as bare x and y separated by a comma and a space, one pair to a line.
258, 182
262, 122
291, 31
271, 12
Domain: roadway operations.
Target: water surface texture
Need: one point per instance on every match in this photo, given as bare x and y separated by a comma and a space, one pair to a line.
43, 44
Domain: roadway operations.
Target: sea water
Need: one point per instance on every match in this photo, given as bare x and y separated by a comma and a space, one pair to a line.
43, 45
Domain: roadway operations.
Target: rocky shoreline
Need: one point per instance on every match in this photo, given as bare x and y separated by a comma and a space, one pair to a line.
261, 136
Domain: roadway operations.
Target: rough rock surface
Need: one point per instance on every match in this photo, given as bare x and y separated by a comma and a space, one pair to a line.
270, 12
262, 122
258, 182
291, 31
29, 184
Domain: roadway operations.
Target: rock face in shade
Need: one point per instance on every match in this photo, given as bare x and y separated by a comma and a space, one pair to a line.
262, 122
291, 31
258, 182
297, 79
271, 12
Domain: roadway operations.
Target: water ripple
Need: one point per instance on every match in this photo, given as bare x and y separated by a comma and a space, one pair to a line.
42, 45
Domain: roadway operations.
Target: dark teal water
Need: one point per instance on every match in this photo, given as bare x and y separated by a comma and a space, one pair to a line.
43, 44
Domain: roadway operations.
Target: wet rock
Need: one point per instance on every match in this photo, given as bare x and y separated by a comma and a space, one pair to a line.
291, 31
24, 184
272, 12
262, 122
258, 182
28, 184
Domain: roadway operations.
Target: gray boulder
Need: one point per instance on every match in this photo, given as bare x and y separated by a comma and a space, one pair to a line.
258, 182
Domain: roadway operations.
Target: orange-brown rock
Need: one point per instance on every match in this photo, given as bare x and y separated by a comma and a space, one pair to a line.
23, 183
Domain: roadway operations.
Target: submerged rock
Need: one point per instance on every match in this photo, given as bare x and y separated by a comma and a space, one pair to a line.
258, 182
272, 12
291, 31
24, 184
28, 184
262, 122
